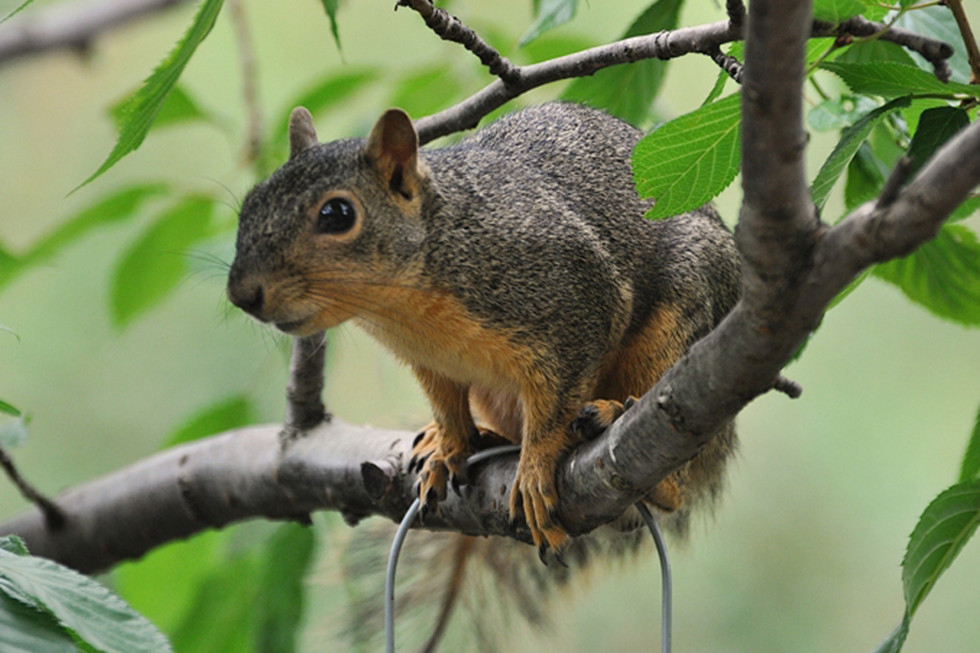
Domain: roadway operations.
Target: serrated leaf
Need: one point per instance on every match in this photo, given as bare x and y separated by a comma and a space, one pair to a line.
549, 14
24, 629
890, 79
227, 414
874, 51
970, 468
115, 207
836, 11
141, 109
330, 91
944, 527
178, 107
94, 614
943, 274
689, 160
627, 92
154, 264
939, 23
288, 557
935, 127
851, 139
13, 433
331, 6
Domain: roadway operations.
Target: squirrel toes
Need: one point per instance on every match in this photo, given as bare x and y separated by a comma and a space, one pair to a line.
513, 271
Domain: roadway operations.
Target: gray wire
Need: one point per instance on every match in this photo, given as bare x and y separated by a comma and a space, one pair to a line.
413, 510
666, 590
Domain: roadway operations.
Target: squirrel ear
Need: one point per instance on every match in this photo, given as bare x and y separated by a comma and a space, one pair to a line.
302, 133
393, 148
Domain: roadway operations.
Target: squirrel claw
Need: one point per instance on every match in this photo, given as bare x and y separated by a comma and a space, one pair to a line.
454, 483
542, 550
560, 557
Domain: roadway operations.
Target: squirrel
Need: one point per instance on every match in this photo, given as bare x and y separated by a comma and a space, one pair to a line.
513, 271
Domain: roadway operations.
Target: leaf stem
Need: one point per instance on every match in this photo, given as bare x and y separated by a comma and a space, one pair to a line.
972, 51
54, 517
246, 56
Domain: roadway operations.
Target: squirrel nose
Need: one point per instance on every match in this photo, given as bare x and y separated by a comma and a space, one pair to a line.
248, 296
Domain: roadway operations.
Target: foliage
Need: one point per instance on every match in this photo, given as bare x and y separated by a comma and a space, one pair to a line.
884, 102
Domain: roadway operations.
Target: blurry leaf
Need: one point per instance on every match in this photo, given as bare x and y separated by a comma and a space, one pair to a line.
330, 6
115, 207
331, 91
227, 414
95, 615
151, 586
839, 112
628, 91
970, 468
874, 10
24, 629
138, 112
16, 11
426, 92
965, 210
8, 409
944, 527
935, 127
549, 46
549, 14
221, 616
13, 433
865, 178
13, 544
939, 23
851, 139
836, 11
178, 107
943, 274
890, 79
689, 160
288, 556
153, 265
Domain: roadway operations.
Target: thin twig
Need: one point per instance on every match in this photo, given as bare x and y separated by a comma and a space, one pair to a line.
788, 387
54, 517
972, 51
732, 66
451, 28
736, 12
246, 55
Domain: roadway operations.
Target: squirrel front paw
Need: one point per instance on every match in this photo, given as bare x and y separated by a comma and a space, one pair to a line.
439, 463
535, 497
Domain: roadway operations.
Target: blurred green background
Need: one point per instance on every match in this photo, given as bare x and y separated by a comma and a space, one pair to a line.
804, 552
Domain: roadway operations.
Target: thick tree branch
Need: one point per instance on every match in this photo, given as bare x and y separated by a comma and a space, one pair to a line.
74, 25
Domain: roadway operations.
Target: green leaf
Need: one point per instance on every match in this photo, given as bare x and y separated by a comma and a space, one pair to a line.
943, 274
115, 207
153, 265
330, 92
628, 91
874, 51
24, 629
935, 127
229, 413
836, 11
9, 409
944, 527
139, 111
939, 23
13, 433
970, 467
13, 544
330, 6
549, 15
840, 112
865, 178
689, 160
95, 615
426, 91
178, 107
894, 642
288, 557
966, 209
16, 11
890, 79
221, 616
846, 148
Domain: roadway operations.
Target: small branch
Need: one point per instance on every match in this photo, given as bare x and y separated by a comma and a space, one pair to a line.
736, 12
972, 51
304, 409
450, 28
732, 66
54, 518
71, 26
246, 55
788, 387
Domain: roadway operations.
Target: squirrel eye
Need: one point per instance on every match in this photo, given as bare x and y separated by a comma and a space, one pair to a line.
337, 215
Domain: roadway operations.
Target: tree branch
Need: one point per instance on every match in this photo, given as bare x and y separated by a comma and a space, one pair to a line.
72, 26
972, 51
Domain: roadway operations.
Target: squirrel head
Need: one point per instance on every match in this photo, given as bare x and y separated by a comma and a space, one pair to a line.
336, 223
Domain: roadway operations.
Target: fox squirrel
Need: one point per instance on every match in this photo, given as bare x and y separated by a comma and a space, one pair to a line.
513, 271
